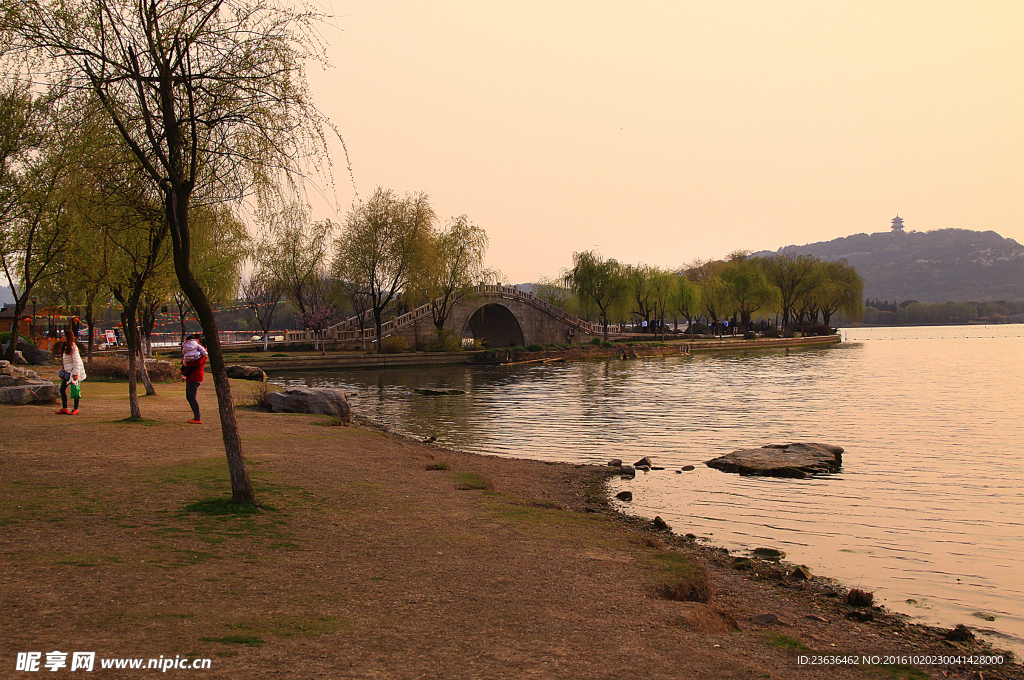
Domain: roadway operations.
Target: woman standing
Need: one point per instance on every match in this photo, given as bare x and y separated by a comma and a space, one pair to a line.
72, 373
193, 360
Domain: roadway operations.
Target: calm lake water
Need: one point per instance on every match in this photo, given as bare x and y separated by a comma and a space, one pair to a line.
927, 512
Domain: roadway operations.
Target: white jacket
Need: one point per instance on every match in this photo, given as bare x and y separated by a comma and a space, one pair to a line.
73, 363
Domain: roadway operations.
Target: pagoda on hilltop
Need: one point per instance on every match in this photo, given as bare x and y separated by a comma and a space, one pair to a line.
897, 225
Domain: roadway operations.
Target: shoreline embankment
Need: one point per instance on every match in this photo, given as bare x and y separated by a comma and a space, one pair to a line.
583, 352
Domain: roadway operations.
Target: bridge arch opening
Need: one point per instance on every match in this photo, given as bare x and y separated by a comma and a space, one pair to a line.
495, 325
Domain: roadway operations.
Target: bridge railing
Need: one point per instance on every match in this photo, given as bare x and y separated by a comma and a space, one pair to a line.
349, 328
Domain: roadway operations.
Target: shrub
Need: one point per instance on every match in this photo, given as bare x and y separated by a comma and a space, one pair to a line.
534, 348
859, 598
772, 332
258, 394
396, 344
606, 345
749, 335
447, 341
596, 342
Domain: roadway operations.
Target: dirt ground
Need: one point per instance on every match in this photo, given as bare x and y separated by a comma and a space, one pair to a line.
379, 557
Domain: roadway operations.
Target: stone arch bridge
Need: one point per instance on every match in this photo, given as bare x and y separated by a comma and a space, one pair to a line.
498, 316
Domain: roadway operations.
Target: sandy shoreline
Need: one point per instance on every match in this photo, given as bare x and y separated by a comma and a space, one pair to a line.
384, 558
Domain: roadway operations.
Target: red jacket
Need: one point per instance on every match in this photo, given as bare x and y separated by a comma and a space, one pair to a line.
193, 370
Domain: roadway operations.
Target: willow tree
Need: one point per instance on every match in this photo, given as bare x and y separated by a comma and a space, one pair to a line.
751, 290
34, 229
210, 97
452, 264
841, 290
382, 244
796, 277
598, 282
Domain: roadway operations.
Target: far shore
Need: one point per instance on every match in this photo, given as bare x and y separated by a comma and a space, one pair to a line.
377, 556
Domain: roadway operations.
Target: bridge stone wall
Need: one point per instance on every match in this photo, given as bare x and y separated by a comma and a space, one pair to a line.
504, 315
537, 326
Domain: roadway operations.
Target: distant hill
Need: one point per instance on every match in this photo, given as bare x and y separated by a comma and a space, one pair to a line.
946, 265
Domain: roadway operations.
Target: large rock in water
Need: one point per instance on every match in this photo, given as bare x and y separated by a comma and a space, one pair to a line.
797, 460
317, 400
246, 373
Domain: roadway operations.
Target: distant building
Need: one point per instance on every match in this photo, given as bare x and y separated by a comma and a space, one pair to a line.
897, 225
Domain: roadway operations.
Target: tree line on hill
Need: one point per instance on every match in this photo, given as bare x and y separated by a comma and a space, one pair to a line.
797, 291
914, 313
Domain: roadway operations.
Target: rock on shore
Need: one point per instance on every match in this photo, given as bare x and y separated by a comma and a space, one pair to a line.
322, 401
246, 373
798, 460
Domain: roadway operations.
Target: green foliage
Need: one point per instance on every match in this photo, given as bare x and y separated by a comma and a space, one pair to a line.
385, 239
395, 344
467, 481
222, 506
784, 642
597, 282
451, 264
920, 313
534, 348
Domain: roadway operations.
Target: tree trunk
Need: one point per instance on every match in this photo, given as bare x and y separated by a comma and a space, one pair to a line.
16, 330
176, 202
143, 375
379, 325
131, 336
89, 319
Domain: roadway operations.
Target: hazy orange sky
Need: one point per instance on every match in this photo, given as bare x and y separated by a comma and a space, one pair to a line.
659, 132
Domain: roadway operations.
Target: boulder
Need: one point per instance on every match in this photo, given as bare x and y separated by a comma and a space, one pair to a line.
801, 573
624, 495
798, 460
320, 401
643, 462
246, 373
660, 525
615, 462
767, 554
687, 468
19, 359
39, 393
766, 620
39, 357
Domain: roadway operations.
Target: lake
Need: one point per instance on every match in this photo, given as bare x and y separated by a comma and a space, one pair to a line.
927, 511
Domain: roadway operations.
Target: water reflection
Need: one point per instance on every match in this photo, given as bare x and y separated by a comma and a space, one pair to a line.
928, 505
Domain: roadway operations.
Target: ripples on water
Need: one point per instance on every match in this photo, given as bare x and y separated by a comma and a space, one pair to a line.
927, 508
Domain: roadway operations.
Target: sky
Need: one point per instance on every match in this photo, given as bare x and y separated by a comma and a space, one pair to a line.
661, 132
